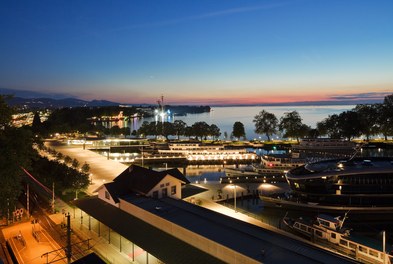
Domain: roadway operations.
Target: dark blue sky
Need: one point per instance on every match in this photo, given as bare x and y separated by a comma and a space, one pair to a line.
204, 51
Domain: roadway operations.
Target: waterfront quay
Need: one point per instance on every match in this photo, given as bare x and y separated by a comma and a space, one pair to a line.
276, 246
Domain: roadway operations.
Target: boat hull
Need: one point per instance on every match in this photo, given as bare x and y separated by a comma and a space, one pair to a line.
314, 207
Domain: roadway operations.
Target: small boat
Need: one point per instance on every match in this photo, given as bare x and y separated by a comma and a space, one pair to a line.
329, 232
323, 227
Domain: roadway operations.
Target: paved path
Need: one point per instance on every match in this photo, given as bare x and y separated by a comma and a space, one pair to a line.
102, 170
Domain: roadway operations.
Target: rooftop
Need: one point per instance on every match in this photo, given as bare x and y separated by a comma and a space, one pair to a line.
240, 236
332, 167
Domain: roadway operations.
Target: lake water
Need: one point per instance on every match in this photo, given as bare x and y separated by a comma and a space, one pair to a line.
225, 117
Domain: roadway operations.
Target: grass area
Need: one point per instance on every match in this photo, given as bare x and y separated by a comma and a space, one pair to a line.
70, 196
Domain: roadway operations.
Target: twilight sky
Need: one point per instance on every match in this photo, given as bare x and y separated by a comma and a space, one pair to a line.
199, 51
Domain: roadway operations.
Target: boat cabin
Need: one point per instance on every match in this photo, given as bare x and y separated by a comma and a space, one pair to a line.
327, 221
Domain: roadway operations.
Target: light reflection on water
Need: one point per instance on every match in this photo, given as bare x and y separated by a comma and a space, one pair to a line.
224, 117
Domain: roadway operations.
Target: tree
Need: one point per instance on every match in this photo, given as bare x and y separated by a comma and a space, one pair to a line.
367, 117
238, 130
59, 156
349, 125
67, 160
16, 153
168, 129
5, 112
200, 129
180, 128
75, 163
214, 131
313, 133
385, 116
36, 125
384, 121
85, 168
265, 123
329, 127
115, 131
291, 125
149, 129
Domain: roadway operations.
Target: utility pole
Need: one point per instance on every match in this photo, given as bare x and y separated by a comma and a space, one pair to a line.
142, 155
8, 211
383, 246
27, 202
53, 197
68, 248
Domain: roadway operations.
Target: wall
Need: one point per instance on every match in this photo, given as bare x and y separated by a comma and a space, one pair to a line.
101, 195
168, 181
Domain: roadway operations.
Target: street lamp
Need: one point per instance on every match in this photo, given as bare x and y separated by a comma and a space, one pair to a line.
383, 246
235, 194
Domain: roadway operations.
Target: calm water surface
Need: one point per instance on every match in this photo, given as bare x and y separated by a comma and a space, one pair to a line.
225, 117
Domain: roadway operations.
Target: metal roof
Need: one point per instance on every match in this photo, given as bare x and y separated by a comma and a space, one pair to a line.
242, 237
158, 243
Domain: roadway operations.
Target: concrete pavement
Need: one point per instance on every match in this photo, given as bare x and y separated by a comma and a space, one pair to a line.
102, 170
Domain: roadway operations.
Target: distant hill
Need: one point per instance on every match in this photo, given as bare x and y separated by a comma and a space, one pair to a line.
41, 103
33, 94
37, 100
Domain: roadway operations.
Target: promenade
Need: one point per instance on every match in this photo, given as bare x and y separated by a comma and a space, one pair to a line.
102, 170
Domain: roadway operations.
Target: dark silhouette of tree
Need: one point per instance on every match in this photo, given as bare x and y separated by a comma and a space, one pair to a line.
6, 112
64, 177
150, 129
67, 160
385, 116
367, 116
238, 130
168, 129
349, 125
313, 133
16, 153
180, 128
329, 127
85, 168
291, 124
214, 131
188, 132
36, 126
200, 130
75, 163
115, 131
265, 123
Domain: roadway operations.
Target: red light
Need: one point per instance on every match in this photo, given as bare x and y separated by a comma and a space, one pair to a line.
270, 165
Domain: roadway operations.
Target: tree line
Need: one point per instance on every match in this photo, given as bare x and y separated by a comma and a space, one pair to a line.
365, 119
18, 153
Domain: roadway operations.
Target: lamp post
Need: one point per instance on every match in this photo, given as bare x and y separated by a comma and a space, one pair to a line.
383, 246
234, 195
234, 190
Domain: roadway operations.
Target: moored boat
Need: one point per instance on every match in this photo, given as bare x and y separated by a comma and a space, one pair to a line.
330, 232
355, 182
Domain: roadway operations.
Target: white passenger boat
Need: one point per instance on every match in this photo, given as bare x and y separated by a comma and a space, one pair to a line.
329, 232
